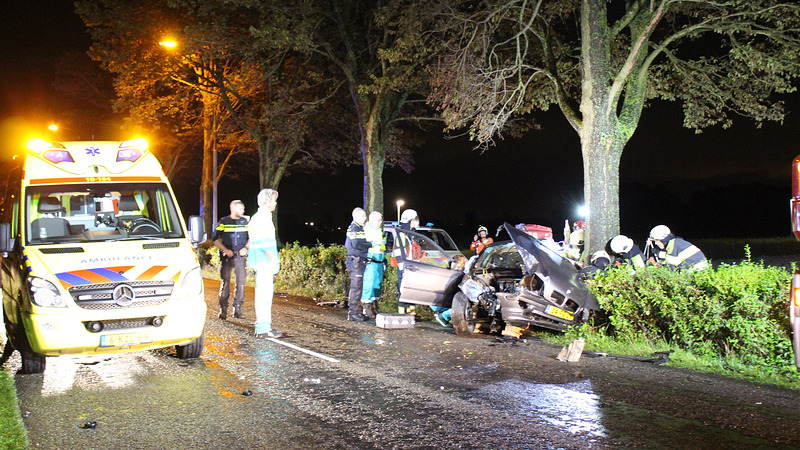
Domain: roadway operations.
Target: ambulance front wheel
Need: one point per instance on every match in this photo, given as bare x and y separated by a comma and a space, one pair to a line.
32, 362
191, 350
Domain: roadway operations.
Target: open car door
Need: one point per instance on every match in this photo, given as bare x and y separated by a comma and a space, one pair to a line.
430, 277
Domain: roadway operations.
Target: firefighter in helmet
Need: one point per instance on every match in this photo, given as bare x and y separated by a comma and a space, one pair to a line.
598, 264
625, 251
481, 240
675, 252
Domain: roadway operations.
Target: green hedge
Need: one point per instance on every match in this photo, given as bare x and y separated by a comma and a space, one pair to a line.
317, 272
735, 311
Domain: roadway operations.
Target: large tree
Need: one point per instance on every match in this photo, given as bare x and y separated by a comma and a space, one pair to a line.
600, 61
381, 70
246, 89
151, 87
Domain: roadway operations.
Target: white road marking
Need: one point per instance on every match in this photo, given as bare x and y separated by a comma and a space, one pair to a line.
301, 349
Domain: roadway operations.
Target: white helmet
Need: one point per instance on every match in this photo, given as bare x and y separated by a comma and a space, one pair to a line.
599, 254
659, 232
409, 215
621, 244
576, 238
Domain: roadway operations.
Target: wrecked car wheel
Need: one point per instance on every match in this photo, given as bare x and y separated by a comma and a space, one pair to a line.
463, 319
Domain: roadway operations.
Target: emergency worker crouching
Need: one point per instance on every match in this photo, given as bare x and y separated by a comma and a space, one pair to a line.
574, 241
373, 275
625, 251
357, 247
598, 264
409, 220
480, 240
675, 252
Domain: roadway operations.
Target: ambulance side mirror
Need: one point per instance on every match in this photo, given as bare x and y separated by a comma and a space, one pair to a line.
197, 230
6, 242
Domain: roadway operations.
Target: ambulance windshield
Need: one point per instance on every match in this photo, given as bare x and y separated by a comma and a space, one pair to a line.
100, 212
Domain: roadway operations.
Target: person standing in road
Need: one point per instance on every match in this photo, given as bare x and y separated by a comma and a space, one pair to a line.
675, 252
481, 240
232, 239
264, 259
373, 275
357, 249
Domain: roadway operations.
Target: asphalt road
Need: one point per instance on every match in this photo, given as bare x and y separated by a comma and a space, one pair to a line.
349, 385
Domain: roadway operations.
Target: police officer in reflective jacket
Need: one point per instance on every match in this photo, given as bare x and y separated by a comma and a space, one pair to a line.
357, 249
232, 240
674, 252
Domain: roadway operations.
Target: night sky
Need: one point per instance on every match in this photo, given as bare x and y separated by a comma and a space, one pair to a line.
718, 184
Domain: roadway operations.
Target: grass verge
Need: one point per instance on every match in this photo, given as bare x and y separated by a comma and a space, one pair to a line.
12, 431
596, 341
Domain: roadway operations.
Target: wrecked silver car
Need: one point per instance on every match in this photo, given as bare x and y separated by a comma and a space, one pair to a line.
519, 282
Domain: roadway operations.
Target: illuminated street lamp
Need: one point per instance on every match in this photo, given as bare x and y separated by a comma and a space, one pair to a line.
399, 204
52, 127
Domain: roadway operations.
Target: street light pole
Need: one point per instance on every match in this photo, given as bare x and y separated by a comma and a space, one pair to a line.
399, 204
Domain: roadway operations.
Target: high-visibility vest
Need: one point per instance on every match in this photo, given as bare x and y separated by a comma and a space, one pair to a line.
375, 237
681, 254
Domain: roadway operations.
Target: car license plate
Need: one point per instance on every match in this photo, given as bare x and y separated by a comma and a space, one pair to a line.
118, 340
558, 312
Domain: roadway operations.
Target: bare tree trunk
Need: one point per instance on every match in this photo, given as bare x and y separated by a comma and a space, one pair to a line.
374, 153
271, 170
601, 151
207, 183
601, 144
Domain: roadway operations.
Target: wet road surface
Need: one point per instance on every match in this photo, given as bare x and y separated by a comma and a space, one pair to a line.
357, 386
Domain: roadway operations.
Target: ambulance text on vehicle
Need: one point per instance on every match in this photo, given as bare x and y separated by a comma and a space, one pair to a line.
96, 257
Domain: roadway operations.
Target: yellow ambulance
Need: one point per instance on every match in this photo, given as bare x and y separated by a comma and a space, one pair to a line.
96, 255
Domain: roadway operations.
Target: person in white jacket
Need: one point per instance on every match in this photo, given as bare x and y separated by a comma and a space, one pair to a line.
264, 260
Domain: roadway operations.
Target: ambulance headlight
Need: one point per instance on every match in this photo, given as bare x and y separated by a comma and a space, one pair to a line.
45, 293
192, 284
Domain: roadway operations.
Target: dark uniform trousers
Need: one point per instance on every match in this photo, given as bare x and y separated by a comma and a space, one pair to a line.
356, 266
238, 265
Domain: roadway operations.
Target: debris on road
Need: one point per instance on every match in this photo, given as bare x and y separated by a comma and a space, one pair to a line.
572, 353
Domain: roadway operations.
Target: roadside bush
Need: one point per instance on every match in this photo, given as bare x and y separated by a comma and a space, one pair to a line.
317, 272
736, 312
320, 272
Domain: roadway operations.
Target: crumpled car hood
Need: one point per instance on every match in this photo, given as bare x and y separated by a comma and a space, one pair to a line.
552, 268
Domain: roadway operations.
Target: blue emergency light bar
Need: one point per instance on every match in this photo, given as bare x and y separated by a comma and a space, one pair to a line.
395, 223
55, 152
57, 156
130, 154
132, 150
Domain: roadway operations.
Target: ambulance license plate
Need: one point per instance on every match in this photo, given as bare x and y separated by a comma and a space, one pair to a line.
558, 312
119, 340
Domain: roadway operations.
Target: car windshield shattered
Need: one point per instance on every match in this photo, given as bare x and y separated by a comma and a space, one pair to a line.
503, 256
91, 212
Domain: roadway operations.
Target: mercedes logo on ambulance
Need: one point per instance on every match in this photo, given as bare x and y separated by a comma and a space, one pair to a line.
123, 295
